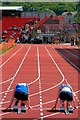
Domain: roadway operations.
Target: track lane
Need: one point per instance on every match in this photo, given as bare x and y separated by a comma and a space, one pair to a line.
9, 69
8, 87
52, 53
30, 61
4, 57
44, 90
70, 56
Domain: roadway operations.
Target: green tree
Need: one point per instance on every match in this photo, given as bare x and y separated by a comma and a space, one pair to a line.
77, 16
57, 7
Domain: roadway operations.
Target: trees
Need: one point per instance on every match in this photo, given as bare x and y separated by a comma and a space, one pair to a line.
57, 7
77, 16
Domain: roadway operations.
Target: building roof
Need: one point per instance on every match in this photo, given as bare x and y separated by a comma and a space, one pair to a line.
67, 13
17, 8
49, 20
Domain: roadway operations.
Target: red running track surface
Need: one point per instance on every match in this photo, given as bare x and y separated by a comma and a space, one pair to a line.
44, 68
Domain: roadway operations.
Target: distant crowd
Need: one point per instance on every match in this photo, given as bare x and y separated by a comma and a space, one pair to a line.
21, 35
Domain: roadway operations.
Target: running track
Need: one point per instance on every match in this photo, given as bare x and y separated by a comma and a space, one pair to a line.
44, 68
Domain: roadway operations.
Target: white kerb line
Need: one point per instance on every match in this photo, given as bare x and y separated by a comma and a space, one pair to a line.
40, 95
11, 57
14, 76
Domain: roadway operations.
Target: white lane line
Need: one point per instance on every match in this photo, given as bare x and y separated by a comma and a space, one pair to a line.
5, 91
73, 91
6, 81
16, 73
68, 60
75, 50
41, 113
41, 110
32, 95
77, 91
55, 64
72, 54
11, 57
46, 116
40, 95
43, 116
4, 102
38, 70
28, 83
33, 107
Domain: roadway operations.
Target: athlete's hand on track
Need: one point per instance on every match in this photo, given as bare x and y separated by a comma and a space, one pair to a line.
75, 107
29, 107
9, 107
54, 108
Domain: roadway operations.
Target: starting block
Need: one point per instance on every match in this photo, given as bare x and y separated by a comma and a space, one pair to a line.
69, 111
19, 111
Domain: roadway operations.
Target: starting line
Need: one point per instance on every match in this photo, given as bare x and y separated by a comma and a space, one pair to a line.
77, 107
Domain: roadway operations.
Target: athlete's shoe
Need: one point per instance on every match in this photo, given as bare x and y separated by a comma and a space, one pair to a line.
23, 109
62, 109
70, 109
15, 108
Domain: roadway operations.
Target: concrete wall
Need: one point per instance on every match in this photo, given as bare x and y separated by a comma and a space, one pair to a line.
35, 14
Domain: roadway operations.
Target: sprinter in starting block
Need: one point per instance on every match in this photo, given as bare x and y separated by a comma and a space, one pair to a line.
65, 93
21, 93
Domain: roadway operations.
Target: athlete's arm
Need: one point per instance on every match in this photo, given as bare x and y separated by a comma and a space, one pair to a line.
28, 102
74, 102
12, 99
73, 98
56, 100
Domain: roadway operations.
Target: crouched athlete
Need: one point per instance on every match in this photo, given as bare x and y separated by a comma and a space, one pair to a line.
21, 93
65, 93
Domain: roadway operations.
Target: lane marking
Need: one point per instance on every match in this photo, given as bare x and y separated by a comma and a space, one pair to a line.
38, 70
11, 57
77, 91
43, 103
73, 91
46, 116
16, 73
34, 93
72, 54
40, 95
68, 60
68, 83
28, 83
55, 64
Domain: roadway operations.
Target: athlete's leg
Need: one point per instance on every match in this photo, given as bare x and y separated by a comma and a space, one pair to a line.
16, 101
15, 108
62, 103
69, 102
62, 100
23, 105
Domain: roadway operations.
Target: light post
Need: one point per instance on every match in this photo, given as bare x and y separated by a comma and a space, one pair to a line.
33, 12
51, 11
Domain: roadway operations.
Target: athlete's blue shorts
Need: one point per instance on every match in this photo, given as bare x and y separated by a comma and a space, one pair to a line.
65, 95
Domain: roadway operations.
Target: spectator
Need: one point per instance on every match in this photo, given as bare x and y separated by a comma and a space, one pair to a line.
65, 39
72, 41
17, 40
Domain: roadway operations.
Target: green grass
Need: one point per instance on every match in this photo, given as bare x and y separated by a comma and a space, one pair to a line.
2, 52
